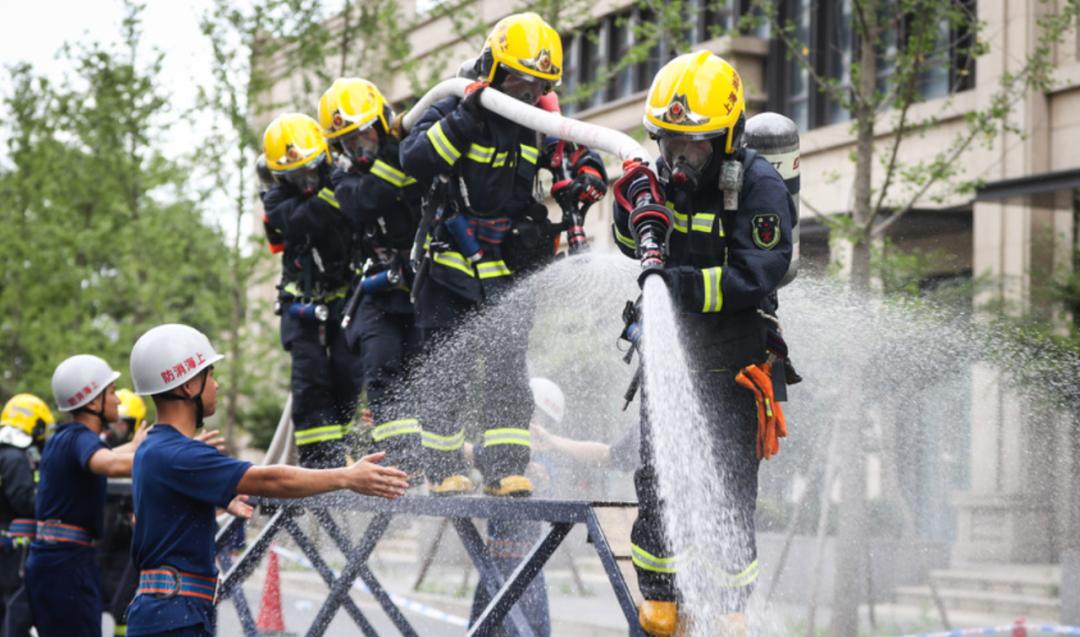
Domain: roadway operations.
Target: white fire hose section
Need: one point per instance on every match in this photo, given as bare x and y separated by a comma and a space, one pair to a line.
552, 124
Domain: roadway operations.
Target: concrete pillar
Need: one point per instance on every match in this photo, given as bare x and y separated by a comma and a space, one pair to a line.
1006, 515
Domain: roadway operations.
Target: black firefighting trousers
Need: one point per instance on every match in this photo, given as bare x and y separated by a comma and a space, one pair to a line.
326, 378
390, 342
473, 359
732, 424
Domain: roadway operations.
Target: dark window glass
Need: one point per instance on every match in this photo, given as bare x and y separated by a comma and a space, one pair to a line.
648, 69
797, 105
622, 81
933, 80
592, 60
839, 50
571, 68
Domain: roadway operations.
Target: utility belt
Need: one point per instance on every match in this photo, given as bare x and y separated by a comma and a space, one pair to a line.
20, 532
309, 309
167, 582
56, 532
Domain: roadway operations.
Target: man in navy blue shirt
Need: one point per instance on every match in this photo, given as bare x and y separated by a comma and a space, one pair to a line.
178, 482
62, 579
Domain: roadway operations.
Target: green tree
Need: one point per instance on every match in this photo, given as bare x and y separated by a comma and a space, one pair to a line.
106, 240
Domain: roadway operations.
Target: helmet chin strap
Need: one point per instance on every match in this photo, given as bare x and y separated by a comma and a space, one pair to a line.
197, 398
99, 414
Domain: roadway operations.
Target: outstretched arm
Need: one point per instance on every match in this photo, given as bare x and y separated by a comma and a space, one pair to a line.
366, 477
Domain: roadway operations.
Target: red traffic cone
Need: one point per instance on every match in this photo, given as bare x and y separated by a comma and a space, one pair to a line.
271, 621
1019, 629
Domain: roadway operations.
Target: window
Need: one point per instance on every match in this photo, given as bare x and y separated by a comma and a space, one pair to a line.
620, 41
827, 31
571, 51
839, 49
592, 61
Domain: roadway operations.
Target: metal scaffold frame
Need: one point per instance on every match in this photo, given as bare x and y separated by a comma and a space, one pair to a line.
561, 515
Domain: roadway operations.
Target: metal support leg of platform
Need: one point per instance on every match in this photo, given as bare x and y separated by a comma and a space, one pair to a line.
504, 592
308, 548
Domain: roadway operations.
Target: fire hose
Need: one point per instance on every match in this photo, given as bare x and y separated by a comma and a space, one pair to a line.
596, 137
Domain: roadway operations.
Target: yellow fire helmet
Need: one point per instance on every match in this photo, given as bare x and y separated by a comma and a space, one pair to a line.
29, 414
525, 45
698, 95
132, 406
352, 104
293, 140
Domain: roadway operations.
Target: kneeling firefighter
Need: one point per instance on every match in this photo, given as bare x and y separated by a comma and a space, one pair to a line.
485, 226
316, 243
717, 226
383, 203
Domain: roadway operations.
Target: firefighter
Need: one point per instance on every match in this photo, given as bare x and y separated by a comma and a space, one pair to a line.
316, 244
178, 481
22, 433
478, 171
118, 577
132, 411
62, 578
722, 247
383, 204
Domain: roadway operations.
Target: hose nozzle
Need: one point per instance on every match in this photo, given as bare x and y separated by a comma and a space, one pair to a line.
651, 225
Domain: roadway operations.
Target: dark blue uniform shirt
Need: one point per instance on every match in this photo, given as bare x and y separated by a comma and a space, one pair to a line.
177, 483
68, 491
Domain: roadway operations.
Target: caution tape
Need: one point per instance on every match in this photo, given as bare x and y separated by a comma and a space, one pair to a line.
1018, 629
403, 603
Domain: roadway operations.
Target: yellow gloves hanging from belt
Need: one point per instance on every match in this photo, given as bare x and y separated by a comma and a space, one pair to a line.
770, 416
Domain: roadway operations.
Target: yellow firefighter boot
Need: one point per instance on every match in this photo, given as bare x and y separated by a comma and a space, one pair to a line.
456, 484
519, 486
657, 618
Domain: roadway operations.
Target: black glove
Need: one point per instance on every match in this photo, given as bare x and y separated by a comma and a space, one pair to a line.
589, 185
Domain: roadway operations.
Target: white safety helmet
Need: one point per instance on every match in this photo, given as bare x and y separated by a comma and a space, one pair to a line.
168, 356
549, 398
79, 380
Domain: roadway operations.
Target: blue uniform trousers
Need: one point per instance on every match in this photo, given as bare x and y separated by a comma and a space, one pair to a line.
64, 587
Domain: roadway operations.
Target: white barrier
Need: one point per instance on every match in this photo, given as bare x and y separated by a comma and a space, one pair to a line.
1019, 629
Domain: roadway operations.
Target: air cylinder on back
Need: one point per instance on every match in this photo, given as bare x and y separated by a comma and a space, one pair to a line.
776, 138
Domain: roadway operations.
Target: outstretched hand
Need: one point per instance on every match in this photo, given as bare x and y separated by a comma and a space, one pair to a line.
367, 477
240, 507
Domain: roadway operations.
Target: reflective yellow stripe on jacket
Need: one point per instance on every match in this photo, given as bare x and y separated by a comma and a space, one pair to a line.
454, 260
482, 154
492, 269
714, 294
442, 144
529, 153
391, 175
327, 195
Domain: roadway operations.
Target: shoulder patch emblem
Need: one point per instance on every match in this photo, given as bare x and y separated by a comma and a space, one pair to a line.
765, 230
